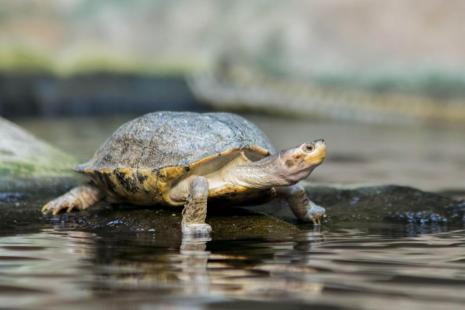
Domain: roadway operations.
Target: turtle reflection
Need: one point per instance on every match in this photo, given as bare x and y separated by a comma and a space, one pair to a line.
202, 267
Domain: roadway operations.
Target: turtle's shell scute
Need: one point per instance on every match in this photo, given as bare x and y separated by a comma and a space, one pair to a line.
168, 139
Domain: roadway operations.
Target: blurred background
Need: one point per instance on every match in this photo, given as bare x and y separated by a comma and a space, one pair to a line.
382, 81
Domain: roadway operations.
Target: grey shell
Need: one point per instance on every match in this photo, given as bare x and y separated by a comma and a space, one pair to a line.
166, 139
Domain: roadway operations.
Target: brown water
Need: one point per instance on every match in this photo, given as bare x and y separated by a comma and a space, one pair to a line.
351, 266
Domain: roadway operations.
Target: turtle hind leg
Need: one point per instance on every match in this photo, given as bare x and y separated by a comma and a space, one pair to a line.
195, 209
79, 198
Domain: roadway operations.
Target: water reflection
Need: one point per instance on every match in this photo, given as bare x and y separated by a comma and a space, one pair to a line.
41, 268
418, 267
194, 263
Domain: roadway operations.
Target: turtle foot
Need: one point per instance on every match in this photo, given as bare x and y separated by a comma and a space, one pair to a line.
65, 203
52, 208
316, 214
196, 229
79, 198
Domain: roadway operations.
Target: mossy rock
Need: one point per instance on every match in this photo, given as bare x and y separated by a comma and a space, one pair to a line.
29, 163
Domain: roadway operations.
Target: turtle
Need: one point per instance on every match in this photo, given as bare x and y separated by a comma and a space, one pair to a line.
184, 159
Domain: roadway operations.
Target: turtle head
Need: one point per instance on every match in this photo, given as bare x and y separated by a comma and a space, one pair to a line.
298, 162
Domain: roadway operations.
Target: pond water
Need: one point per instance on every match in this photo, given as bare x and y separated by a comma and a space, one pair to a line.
387, 267
347, 266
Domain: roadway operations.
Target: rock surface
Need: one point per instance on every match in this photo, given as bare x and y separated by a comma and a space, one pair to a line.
27, 163
375, 204
383, 203
21, 213
387, 203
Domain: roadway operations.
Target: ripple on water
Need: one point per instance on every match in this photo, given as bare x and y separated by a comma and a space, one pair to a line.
338, 269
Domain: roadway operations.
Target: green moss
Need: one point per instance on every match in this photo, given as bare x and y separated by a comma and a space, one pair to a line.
15, 168
28, 169
24, 59
20, 59
118, 64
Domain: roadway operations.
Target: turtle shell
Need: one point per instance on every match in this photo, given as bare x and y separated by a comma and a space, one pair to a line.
154, 150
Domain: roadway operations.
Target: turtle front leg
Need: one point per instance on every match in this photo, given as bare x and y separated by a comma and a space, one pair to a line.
79, 198
302, 207
195, 209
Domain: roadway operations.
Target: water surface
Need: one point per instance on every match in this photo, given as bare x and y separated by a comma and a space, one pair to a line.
373, 267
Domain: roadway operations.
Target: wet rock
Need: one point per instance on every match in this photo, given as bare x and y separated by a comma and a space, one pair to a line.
387, 203
29, 164
239, 224
372, 204
25, 215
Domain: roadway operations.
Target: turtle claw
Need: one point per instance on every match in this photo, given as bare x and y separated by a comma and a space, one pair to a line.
79, 198
59, 205
53, 207
316, 214
316, 221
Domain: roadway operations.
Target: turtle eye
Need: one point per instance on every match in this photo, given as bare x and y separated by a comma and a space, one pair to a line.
309, 148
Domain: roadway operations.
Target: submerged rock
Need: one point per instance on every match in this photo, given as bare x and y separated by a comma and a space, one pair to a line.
27, 163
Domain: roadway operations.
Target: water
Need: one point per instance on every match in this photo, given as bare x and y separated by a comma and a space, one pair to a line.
349, 266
